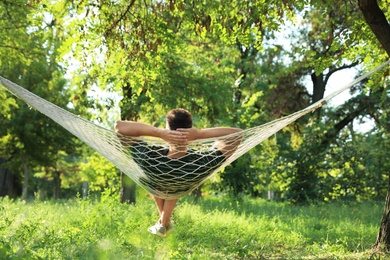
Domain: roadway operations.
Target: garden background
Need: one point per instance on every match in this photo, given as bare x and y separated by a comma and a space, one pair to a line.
315, 189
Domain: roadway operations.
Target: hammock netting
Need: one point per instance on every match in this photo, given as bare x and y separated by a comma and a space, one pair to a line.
144, 159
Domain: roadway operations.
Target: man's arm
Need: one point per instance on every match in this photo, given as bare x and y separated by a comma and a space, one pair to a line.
227, 144
136, 129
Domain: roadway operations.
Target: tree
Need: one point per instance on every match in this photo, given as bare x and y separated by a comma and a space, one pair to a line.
28, 138
9, 182
148, 50
378, 23
326, 41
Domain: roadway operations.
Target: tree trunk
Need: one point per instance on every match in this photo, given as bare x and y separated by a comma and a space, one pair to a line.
377, 21
84, 193
383, 238
57, 185
197, 193
128, 189
318, 90
26, 174
9, 183
318, 87
130, 108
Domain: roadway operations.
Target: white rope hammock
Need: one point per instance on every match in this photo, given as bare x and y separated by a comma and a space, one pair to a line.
145, 162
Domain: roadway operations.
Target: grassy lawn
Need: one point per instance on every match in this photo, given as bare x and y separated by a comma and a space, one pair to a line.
216, 228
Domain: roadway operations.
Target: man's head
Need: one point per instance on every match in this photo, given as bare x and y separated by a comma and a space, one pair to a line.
179, 118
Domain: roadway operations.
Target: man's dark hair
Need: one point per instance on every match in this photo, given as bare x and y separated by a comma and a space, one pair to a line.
179, 118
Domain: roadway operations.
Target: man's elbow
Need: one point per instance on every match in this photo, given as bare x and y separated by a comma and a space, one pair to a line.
118, 126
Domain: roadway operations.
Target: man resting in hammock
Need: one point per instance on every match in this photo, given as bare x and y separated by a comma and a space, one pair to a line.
177, 167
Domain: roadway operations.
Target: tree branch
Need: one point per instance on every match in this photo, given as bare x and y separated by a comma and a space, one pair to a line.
121, 17
363, 103
332, 71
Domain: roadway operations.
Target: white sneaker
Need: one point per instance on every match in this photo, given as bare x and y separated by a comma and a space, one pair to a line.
158, 230
161, 231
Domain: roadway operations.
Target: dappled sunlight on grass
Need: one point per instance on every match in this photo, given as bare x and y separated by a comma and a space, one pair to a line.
280, 228
216, 228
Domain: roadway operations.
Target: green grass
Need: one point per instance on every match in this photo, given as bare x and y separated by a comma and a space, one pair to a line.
216, 228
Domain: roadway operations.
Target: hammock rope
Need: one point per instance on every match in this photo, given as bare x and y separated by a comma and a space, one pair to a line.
143, 159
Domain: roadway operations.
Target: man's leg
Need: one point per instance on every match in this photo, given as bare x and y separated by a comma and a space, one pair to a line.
165, 208
166, 212
160, 204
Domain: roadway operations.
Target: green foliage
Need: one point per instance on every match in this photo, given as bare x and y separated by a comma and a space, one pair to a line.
163, 54
6, 104
253, 173
351, 168
29, 57
99, 173
325, 33
215, 228
238, 178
